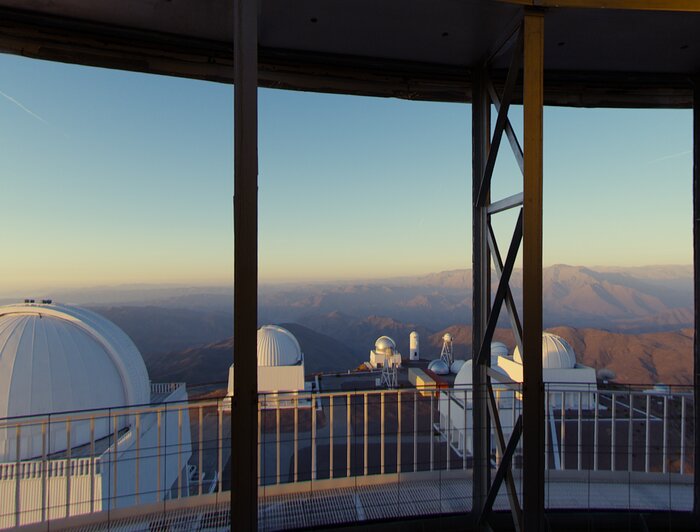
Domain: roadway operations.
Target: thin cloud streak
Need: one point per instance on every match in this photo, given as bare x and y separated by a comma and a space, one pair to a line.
671, 156
23, 107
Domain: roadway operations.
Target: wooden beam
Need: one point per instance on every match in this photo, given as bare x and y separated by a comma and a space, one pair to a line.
691, 6
533, 393
244, 419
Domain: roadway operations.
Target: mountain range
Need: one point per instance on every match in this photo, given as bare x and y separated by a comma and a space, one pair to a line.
632, 320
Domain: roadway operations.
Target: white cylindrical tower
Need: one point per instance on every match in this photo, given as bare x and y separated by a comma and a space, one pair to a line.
414, 349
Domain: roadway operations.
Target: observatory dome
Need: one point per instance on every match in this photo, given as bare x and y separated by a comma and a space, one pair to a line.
464, 376
439, 367
57, 358
556, 353
384, 342
456, 366
498, 349
277, 347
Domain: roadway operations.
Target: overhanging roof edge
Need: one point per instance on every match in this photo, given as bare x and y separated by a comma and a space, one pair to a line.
93, 44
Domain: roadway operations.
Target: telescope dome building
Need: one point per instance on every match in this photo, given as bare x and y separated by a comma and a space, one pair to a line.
59, 359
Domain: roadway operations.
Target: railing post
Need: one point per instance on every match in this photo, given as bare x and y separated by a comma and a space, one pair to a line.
18, 476
596, 394
314, 468
159, 421
137, 477
579, 436
278, 420
330, 438
448, 429
382, 447
220, 444
664, 467
200, 463
44, 465
647, 430
682, 464
465, 433
69, 469
398, 432
630, 433
430, 432
348, 446
562, 431
365, 433
613, 431
415, 431
115, 423
296, 437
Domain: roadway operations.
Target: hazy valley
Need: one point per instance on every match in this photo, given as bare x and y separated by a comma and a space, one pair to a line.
633, 321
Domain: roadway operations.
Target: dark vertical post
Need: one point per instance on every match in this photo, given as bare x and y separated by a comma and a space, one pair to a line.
244, 430
533, 392
481, 283
696, 281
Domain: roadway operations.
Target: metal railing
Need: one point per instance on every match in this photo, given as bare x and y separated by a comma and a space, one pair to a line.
385, 453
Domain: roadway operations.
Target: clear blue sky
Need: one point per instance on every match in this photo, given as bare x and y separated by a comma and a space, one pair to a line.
115, 177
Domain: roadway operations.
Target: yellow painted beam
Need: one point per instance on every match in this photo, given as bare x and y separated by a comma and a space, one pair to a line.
637, 5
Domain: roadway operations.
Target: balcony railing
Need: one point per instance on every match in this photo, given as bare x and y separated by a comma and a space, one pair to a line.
367, 454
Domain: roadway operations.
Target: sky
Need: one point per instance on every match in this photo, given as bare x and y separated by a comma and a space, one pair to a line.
117, 178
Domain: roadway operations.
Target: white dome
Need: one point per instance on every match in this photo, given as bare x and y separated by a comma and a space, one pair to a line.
414, 334
55, 358
456, 366
447, 337
277, 347
384, 342
499, 349
464, 376
439, 367
556, 353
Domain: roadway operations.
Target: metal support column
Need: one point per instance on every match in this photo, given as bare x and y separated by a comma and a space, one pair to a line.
481, 296
696, 274
533, 392
244, 481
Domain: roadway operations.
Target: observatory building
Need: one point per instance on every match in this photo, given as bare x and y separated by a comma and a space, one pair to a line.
574, 383
56, 359
385, 353
280, 363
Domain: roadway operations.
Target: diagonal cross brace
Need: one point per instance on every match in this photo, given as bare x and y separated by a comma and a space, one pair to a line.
508, 92
510, 132
501, 290
510, 302
510, 482
503, 469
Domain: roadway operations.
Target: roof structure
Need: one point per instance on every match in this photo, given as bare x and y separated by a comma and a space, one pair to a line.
633, 53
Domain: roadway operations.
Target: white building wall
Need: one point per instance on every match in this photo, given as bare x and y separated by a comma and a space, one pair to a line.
47, 497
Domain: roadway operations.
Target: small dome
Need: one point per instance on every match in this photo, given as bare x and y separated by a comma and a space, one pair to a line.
447, 337
439, 367
464, 376
414, 334
456, 366
499, 349
277, 347
57, 358
556, 353
384, 342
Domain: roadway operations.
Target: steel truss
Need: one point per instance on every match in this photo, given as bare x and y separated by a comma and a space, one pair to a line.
526, 45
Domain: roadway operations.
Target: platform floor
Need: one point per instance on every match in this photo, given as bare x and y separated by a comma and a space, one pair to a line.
406, 499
